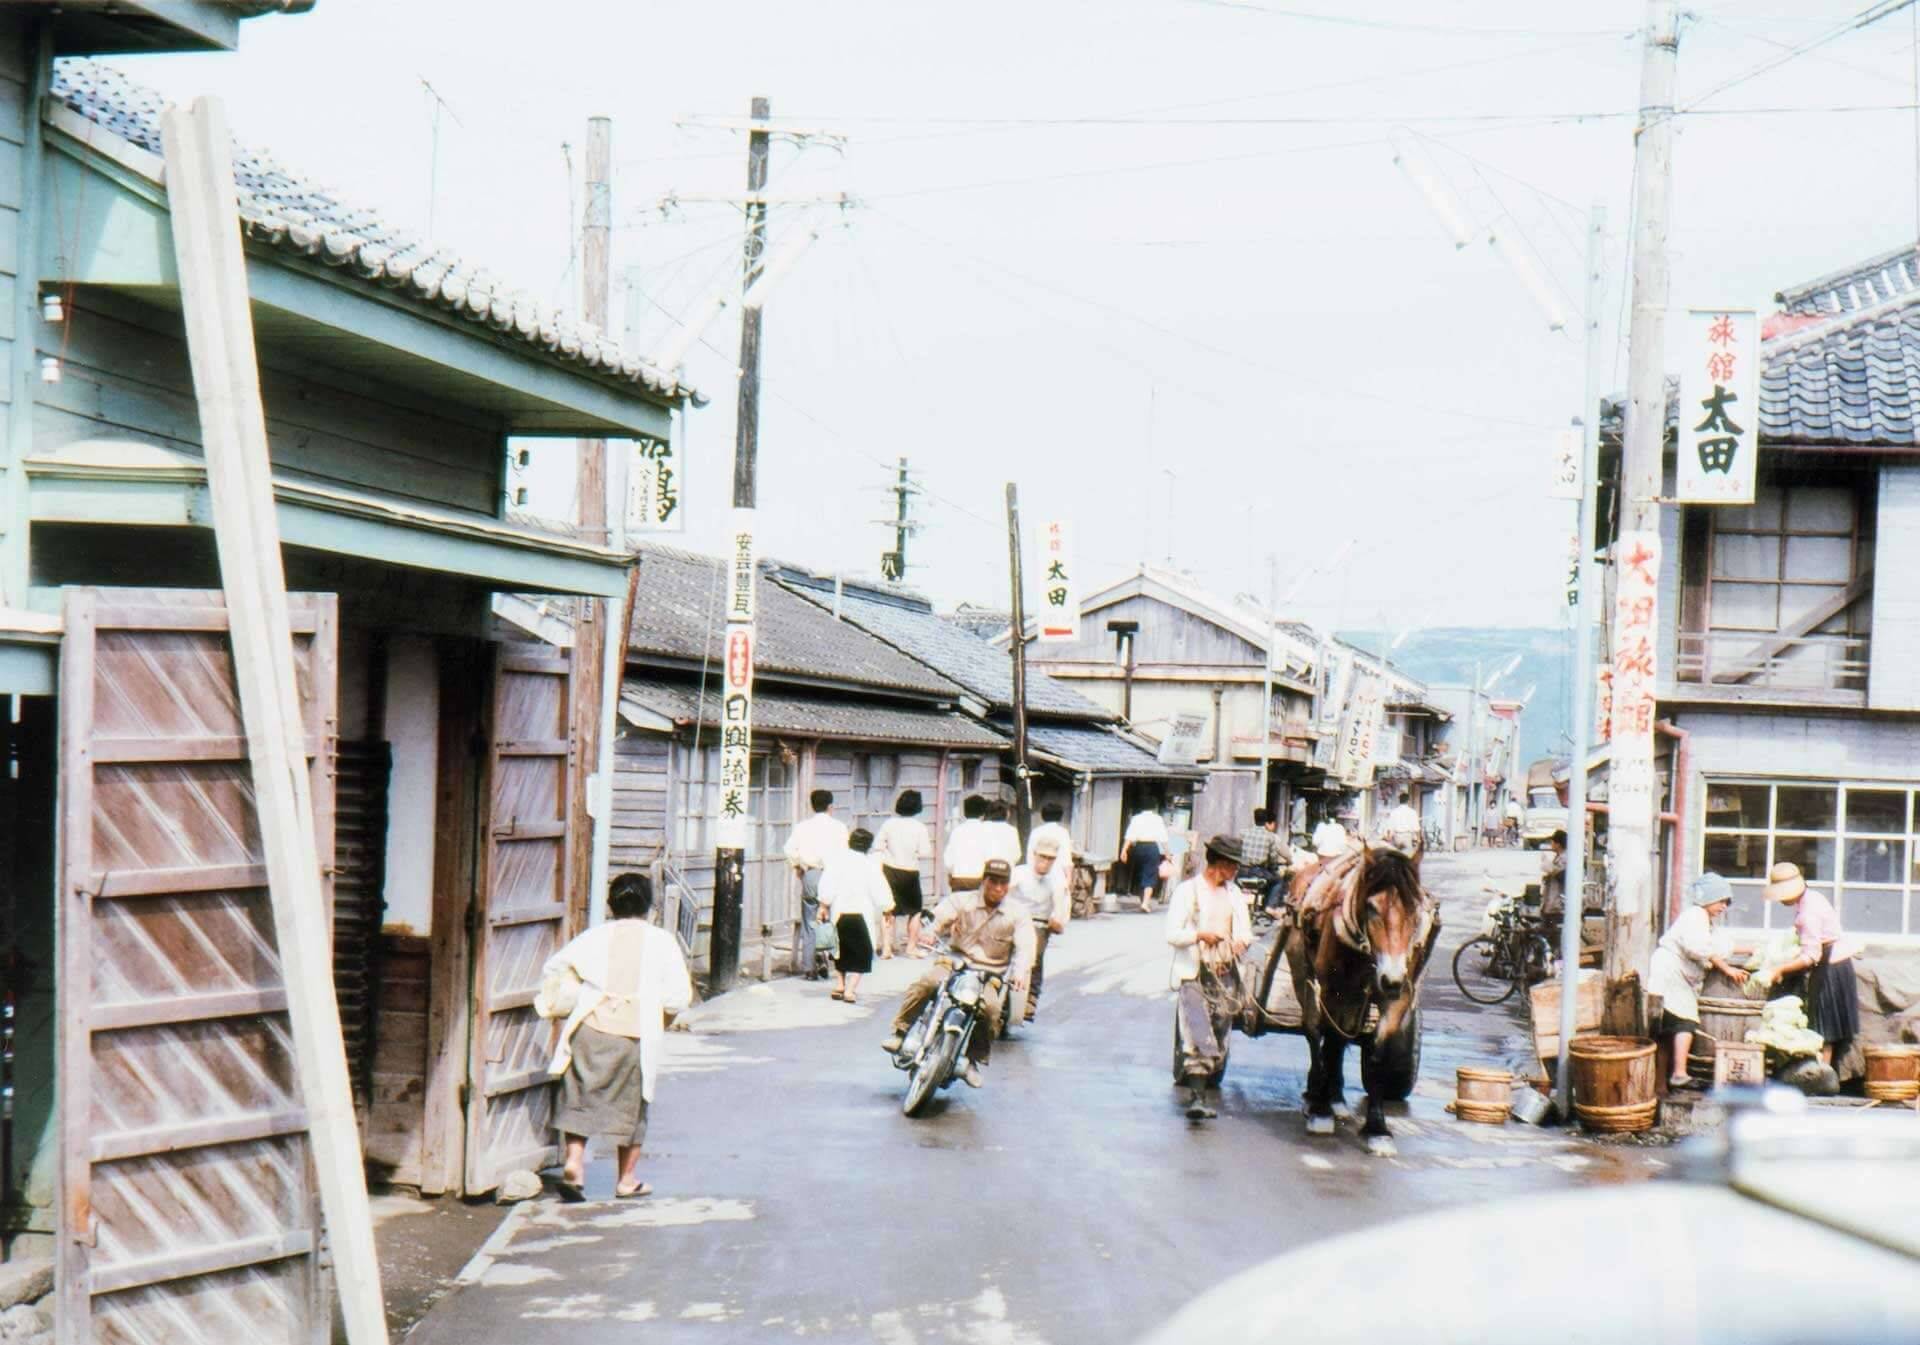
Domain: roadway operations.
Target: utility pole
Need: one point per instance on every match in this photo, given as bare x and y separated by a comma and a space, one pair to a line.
1632, 804
729, 885
1023, 788
1266, 689
590, 677
1476, 777
1574, 889
893, 565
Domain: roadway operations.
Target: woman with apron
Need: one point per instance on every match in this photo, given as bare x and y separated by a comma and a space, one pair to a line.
1826, 956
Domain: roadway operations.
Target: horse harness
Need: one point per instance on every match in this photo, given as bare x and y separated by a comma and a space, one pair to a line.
1350, 928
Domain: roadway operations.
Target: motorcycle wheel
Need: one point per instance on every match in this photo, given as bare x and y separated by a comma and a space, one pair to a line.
1479, 969
935, 1066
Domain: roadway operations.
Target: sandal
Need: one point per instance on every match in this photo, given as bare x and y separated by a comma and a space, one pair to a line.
835, 994
641, 1190
571, 1192
849, 999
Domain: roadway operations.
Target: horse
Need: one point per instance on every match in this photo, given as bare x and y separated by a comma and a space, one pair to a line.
1363, 928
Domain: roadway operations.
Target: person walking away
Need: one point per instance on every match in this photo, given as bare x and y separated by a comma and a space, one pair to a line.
854, 894
1826, 958
902, 843
809, 847
1553, 885
1048, 904
1263, 854
1403, 825
983, 930
1690, 946
1003, 838
1492, 825
1330, 838
966, 850
1143, 847
625, 978
1208, 929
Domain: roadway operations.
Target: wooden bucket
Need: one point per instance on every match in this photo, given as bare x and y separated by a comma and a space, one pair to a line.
1483, 1095
1720, 1020
1893, 1073
1615, 1082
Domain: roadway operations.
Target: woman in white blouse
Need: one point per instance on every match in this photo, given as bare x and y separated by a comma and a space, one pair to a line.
903, 842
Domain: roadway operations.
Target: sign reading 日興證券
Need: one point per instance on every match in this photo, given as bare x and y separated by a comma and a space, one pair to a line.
1719, 421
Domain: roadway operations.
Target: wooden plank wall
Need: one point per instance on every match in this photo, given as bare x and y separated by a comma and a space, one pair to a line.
126, 377
396, 1124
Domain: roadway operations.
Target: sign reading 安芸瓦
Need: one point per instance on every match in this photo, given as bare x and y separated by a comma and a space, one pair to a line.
1059, 592
1719, 422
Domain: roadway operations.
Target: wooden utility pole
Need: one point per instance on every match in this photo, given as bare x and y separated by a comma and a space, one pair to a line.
1631, 830
595, 615
1266, 680
729, 866
1017, 643
246, 532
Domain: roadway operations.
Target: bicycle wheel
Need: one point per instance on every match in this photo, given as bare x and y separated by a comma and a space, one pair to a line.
1480, 970
1536, 959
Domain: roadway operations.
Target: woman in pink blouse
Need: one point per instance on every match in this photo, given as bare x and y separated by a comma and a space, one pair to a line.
1826, 954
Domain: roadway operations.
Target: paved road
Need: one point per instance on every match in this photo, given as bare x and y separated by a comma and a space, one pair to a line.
1068, 1201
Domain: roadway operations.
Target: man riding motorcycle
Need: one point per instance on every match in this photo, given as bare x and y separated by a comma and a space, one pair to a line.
982, 929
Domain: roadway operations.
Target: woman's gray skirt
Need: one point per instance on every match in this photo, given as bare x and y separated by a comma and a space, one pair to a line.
600, 1095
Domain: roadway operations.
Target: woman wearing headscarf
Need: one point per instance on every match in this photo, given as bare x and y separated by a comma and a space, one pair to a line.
1687, 950
1826, 957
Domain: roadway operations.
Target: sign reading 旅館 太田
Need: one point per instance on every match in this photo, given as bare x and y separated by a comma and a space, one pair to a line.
1059, 591
1719, 422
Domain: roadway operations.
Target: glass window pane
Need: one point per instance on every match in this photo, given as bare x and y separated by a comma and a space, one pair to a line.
1744, 606
1741, 806
1763, 515
1825, 560
1823, 509
1748, 910
1807, 809
1736, 556
1876, 812
1863, 910
1737, 856
1799, 600
1875, 861
1814, 855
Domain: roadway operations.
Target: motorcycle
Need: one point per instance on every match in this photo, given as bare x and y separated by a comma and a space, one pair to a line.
935, 1049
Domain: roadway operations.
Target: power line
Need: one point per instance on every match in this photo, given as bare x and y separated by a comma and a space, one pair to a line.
1871, 14
1404, 26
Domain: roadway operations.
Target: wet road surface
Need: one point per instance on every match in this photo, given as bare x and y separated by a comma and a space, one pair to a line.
1067, 1201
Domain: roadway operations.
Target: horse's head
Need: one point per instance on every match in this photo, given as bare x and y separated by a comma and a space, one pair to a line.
1393, 912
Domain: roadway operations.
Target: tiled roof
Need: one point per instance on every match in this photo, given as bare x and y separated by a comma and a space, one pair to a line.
815, 716
983, 669
1870, 283
1099, 749
1855, 381
678, 615
281, 208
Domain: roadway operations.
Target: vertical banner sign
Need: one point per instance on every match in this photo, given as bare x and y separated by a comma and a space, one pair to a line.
1059, 590
1719, 406
1567, 452
1354, 759
1603, 703
653, 488
1635, 675
1335, 683
1573, 569
736, 694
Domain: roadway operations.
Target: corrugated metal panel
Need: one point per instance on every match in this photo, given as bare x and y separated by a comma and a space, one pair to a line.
187, 1210
359, 902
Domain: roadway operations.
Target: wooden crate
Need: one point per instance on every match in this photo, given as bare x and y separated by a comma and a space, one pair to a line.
1739, 1062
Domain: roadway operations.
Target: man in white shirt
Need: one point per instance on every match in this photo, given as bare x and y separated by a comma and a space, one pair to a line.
1034, 894
966, 852
1208, 929
1329, 838
1143, 847
1403, 825
810, 845
1051, 828
1003, 838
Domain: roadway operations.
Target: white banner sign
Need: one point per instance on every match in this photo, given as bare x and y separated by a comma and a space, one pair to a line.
1719, 427
1353, 762
1059, 588
736, 687
1181, 747
1631, 787
653, 488
1336, 687
1565, 484
740, 566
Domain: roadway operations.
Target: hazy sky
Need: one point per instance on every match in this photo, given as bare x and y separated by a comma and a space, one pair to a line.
1104, 240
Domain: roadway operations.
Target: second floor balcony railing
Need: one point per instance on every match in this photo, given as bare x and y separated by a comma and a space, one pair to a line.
1755, 661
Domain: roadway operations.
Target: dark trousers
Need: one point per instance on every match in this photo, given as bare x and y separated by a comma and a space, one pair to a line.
1204, 1013
993, 1009
1041, 934
809, 916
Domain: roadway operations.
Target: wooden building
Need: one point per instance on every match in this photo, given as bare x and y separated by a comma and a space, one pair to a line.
392, 374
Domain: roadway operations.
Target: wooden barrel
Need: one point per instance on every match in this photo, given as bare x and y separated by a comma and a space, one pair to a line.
1482, 1094
1720, 1020
1893, 1073
1615, 1082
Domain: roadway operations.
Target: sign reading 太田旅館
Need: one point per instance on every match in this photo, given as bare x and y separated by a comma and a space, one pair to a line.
1059, 590
1719, 420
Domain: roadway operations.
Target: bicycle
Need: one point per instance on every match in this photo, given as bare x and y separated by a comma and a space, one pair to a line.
1490, 968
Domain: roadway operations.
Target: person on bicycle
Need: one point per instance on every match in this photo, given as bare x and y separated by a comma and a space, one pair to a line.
1403, 825
988, 934
1262, 855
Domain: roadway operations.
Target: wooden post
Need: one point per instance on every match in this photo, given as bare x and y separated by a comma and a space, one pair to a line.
1022, 783
226, 383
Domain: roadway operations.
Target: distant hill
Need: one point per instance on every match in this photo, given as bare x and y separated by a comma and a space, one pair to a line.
1446, 656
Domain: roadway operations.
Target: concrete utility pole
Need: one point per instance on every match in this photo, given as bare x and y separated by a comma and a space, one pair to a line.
1266, 680
893, 565
1476, 777
729, 886
1631, 830
1023, 786
590, 677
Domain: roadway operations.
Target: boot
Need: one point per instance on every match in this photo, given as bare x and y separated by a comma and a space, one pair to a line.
1197, 1108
